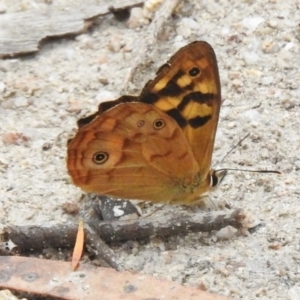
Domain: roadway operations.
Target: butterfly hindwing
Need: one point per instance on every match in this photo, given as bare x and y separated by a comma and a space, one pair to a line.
132, 151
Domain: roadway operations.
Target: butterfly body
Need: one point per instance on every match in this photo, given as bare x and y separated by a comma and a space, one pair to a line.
157, 146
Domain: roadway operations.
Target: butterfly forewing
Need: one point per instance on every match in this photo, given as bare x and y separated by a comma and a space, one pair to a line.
188, 89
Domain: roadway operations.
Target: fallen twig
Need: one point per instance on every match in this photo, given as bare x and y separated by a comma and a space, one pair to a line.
63, 236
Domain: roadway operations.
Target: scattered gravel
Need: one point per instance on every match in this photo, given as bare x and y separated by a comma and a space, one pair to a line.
257, 46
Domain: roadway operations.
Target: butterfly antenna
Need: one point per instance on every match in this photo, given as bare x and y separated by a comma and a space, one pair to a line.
220, 173
237, 144
247, 170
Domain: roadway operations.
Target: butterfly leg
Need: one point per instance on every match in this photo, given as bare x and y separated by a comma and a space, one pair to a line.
204, 200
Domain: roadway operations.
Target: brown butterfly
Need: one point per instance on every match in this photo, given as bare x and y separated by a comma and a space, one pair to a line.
156, 146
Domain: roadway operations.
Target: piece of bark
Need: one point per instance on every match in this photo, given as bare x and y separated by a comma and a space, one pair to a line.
145, 47
36, 239
33, 238
56, 279
102, 250
22, 32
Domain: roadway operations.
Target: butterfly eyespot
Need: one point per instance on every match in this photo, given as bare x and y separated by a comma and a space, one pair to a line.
100, 158
194, 71
140, 123
159, 124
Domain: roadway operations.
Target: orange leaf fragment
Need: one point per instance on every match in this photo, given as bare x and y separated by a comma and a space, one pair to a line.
78, 249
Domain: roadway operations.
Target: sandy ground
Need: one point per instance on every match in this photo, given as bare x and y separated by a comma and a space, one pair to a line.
258, 50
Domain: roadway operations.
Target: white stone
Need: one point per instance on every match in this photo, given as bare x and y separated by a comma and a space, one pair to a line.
187, 26
251, 114
273, 23
2, 87
105, 95
294, 293
251, 58
118, 212
21, 102
267, 80
226, 233
252, 22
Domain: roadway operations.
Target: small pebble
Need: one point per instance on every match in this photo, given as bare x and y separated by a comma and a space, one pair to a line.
136, 18
2, 8
231, 125
294, 293
115, 44
273, 23
251, 58
105, 95
226, 233
21, 102
7, 104
251, 114
264, 153
252, 22
186, 26
2, 87
267, 80
270, 47
150, 7
118, 212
